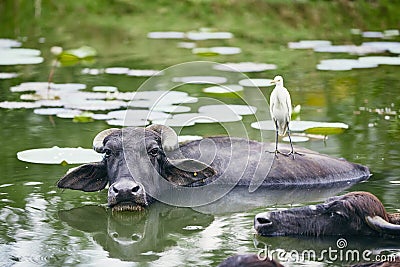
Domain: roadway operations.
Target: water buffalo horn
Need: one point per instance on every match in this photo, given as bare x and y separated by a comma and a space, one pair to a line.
379, 224
169, 139
98, 140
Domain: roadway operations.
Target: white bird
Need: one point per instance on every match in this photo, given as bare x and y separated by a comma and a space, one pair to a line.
281, 111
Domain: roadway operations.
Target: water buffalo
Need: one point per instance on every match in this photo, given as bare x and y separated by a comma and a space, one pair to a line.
355, 213
139, 161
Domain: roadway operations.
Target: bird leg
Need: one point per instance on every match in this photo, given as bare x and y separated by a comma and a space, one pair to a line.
292, 152
276, 152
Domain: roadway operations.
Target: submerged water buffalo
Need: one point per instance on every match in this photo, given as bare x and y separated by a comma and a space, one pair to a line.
139, 161
355, 213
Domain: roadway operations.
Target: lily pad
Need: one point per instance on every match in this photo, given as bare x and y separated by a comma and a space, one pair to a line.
371, 34
391, 33
245, 67
224, 89
51, 111
136, 115
57, 155
95, 105
296, 139
101, 117
50, 103
8, 75
128, 123
30, 86
92, 71
171, 108
189, 119
301, 126
382, 45
237, 109
308, 44
18, 105
344, 64
6, 43
255, 82
111, 89
326, 130
143, 73
219, 50
166, 35
19, 56
351, 49
116, 70
69, 114
380, 60
200, 79
187, 45
208, 35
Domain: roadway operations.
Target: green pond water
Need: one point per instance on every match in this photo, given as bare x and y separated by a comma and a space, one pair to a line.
41, 225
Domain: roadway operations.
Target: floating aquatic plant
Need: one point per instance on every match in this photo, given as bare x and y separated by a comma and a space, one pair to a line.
207, 35
344, 64
8, 75
57, 155
19, 56
311, 127
72, 56
166, 35
200, 79
18, 105
7, 43
308, 44
214, 51
237, 109
223, 89
245, 67
255, 82
296, 139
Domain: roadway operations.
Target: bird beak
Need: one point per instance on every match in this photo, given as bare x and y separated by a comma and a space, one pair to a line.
273, 82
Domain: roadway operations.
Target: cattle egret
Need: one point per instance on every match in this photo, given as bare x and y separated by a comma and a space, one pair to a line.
281, 110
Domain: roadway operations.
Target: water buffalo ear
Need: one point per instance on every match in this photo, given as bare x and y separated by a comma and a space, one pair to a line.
89, 178
186, 172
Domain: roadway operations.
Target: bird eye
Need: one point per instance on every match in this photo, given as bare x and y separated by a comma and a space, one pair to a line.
153, 152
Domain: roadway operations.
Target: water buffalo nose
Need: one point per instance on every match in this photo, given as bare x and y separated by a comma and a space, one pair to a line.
125, 189
135, 189
263, 221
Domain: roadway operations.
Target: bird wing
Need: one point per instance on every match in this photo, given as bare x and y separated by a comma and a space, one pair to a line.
272, 103
288, 104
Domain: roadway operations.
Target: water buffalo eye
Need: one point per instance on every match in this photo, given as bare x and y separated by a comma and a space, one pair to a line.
107, 153
153, 152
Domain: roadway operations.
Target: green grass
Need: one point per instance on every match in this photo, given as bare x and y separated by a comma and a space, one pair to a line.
120, 26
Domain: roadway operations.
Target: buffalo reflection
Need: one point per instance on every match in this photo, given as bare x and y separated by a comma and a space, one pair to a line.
136, 236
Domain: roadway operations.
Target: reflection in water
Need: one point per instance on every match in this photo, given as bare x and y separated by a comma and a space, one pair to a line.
240, 200
136, 236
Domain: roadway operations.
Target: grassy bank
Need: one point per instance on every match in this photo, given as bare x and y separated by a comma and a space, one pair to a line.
120, 26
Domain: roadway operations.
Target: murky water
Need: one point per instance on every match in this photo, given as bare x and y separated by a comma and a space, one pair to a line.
42, 225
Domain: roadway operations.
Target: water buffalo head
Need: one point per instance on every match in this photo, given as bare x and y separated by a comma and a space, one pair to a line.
135, 159
356, 213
